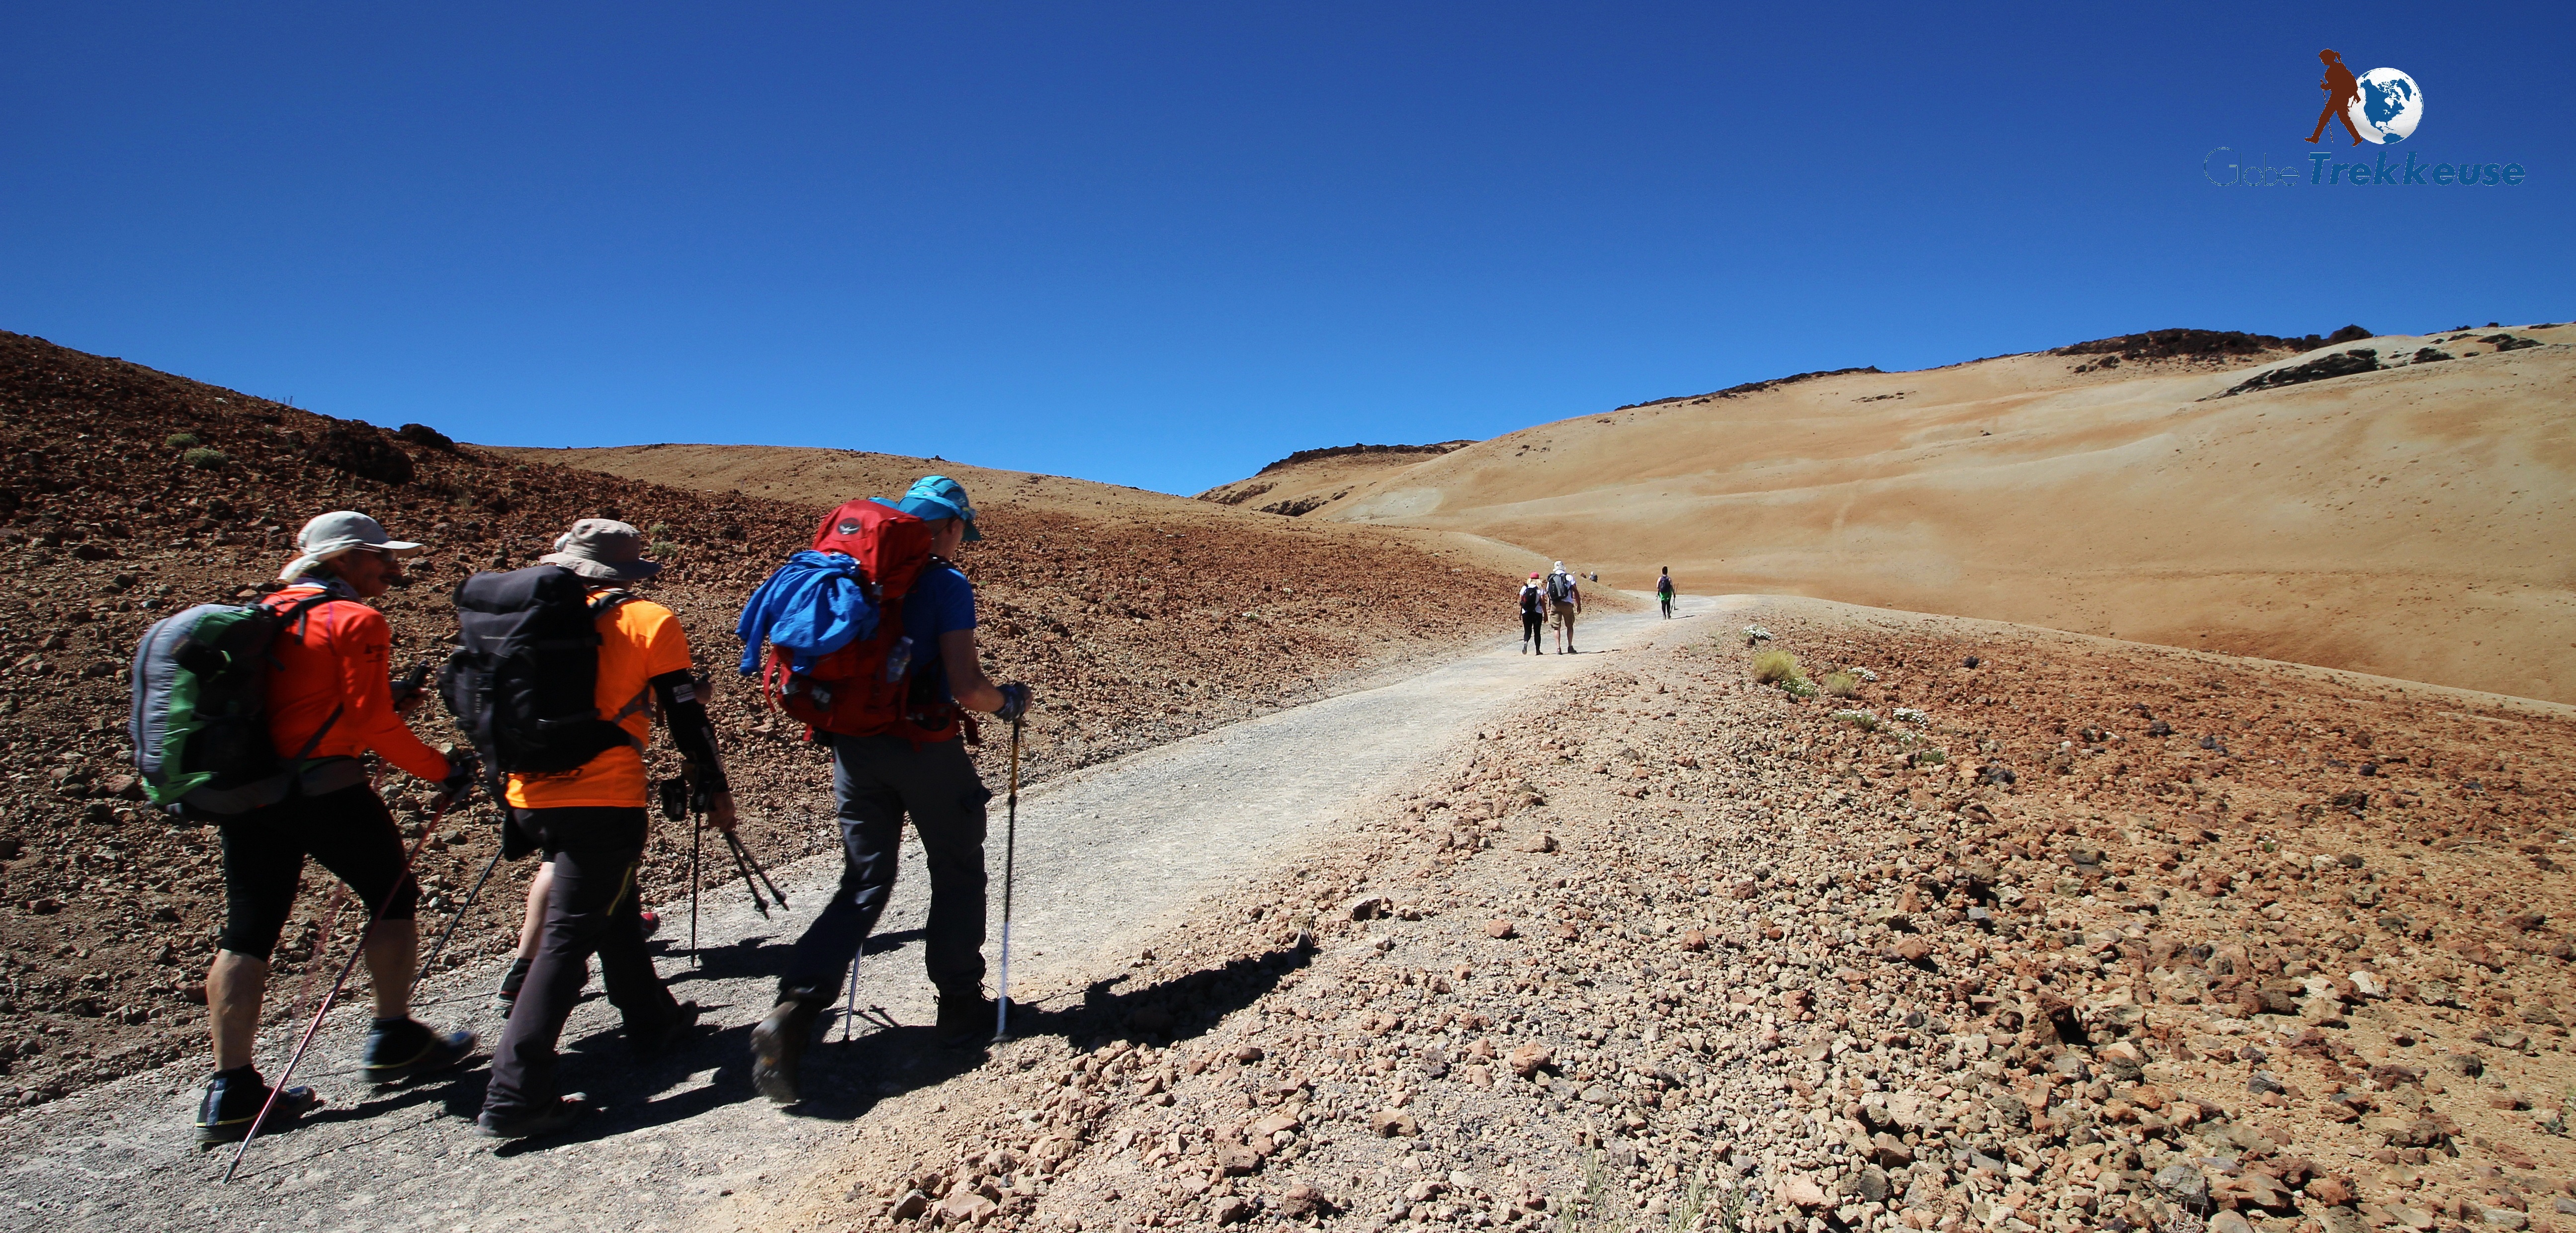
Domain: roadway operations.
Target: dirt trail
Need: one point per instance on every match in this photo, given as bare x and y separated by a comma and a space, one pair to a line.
1108, 856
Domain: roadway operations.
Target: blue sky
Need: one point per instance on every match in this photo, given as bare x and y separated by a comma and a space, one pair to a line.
1163, 245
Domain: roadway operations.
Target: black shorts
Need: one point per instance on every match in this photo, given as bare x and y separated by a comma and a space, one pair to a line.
349, 831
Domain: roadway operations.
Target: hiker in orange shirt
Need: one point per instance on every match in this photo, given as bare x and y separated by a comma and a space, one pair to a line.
330, 700
591, 822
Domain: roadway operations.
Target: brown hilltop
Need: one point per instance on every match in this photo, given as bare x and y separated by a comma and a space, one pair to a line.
1133, 631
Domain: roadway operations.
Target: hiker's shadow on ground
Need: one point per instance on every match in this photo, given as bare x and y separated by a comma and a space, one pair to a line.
456, 1094
843, 1082
757, 956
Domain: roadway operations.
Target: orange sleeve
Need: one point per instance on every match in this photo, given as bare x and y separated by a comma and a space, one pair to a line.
365, 654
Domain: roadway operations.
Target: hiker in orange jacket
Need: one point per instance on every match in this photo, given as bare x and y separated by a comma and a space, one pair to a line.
330, 700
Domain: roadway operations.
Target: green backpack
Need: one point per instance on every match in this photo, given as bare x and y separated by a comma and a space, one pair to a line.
200, 719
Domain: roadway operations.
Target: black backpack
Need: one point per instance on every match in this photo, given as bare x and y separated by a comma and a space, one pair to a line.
524, 683
1559, 587
1530, 600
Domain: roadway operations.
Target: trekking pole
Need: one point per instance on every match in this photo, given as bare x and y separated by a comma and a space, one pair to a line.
675, 806
346, 966
850, 1009
471, 897
742, 852
1010, 854
734, 845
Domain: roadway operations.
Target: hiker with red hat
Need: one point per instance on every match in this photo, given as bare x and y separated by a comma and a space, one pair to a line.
329, 702
871, 640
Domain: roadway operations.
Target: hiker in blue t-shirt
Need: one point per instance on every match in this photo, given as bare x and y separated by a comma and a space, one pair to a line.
878, 780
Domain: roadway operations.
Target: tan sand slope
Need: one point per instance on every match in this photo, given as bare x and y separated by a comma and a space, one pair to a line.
823, 478
1309, 480
2414, 522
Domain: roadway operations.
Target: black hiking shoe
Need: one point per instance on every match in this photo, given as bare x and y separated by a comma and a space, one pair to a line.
507, 995
532, 1122
966, 1020
400, 1050
683, 1023
233, 1099
778, 1048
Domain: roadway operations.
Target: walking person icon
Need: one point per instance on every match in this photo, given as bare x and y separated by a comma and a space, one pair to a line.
2342, 94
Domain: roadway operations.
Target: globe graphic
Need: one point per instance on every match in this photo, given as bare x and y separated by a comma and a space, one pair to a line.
2389, 107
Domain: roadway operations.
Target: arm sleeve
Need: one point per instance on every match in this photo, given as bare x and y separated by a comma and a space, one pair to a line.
691, 730
364, 650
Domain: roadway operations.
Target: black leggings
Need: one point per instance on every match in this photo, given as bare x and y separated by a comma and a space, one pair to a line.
349, 831
1532, 626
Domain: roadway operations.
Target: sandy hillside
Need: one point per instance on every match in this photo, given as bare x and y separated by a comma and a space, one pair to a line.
828, 476
1309, 480
2412, 521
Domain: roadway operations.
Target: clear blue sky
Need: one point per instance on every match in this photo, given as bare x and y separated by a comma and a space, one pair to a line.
1165, 244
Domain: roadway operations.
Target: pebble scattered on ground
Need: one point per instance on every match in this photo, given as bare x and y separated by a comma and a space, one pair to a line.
1681, 952
128, 494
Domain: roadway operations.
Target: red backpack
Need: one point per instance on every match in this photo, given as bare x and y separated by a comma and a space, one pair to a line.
865, 688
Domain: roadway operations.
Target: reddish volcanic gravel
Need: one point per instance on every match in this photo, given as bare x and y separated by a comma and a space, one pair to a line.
110, 517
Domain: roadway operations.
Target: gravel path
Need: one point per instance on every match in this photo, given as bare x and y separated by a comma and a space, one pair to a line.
1108, 856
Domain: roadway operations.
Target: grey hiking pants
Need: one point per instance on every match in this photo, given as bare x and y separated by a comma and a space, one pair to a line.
878, 780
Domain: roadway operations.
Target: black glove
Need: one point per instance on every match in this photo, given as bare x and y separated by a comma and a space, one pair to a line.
1015, 703
463, 769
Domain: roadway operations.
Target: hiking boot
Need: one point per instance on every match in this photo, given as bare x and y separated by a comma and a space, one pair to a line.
507, 995
654, 1043
564, 1112
233, 1099
778, 1047
400, 1050
966, 1019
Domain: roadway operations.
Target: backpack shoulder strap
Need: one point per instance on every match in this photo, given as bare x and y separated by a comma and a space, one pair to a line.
602, 603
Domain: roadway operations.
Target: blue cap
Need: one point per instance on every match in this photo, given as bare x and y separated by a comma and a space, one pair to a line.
933, 497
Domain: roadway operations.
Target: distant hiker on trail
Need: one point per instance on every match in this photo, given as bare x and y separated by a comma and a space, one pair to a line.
577, 788
2342, 91
886, 687
1564, 602
1533, 616
329, 700
1664, 591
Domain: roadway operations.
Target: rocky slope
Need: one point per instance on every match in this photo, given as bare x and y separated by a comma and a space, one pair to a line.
2154, 935
128, 494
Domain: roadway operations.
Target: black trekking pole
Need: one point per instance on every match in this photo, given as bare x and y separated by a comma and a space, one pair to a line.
742, 853
346, 966
471, 897
675, 806
1010, 854
734, 846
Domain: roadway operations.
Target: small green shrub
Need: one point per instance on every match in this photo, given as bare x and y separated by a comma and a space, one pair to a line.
179, 440
207, 458
1863, 720
1773, 667
1841, 684
1930, 757
660, 530
664, 547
